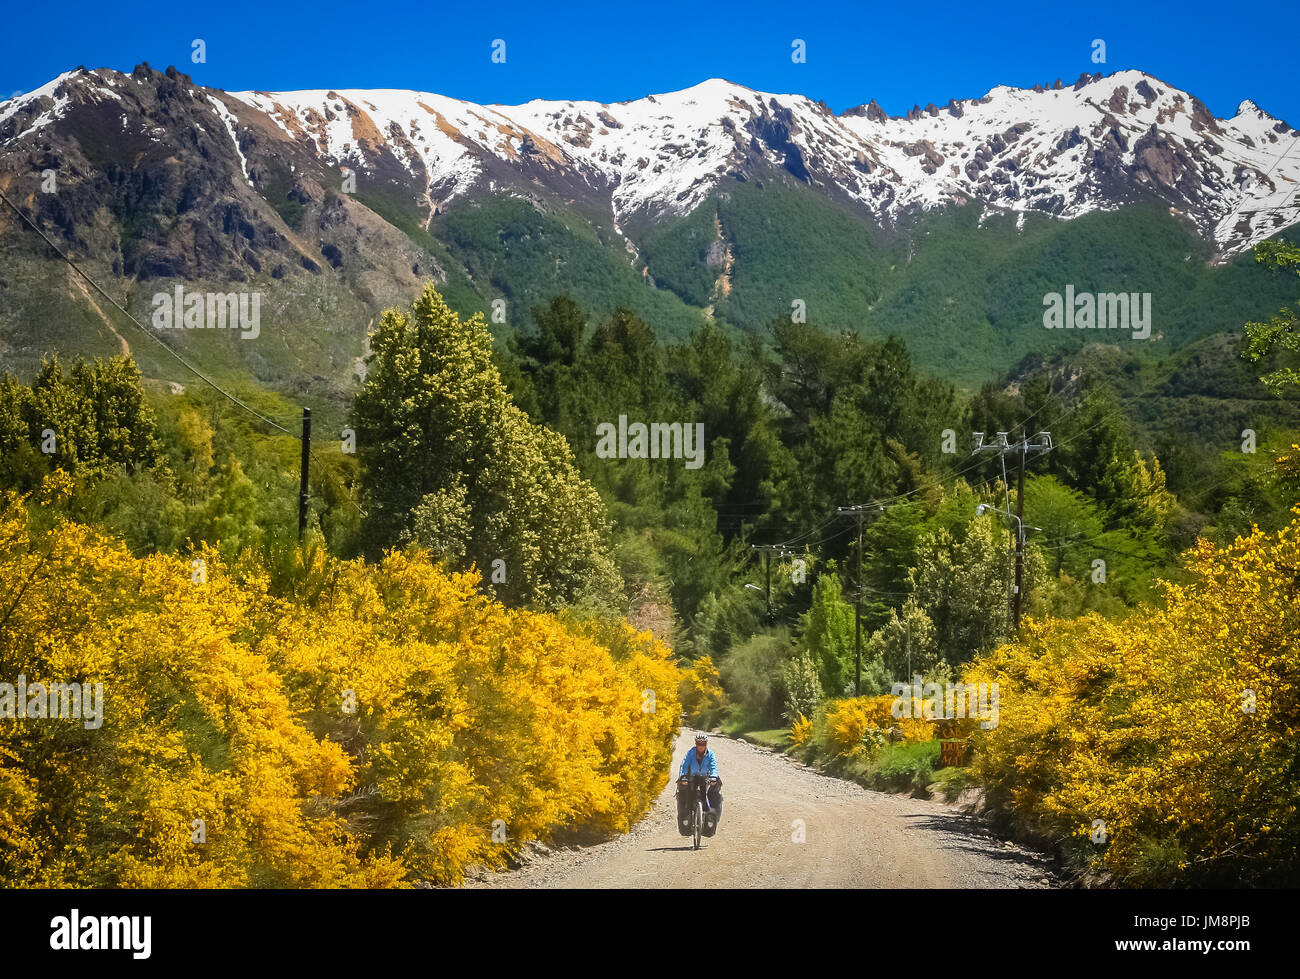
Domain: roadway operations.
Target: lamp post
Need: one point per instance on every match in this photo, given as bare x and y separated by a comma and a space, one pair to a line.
1020, 555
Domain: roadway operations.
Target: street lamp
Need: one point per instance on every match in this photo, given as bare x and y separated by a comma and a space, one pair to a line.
985, 507
1020, 552
767, 598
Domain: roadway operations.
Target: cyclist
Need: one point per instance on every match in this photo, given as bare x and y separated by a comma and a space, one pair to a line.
700, 761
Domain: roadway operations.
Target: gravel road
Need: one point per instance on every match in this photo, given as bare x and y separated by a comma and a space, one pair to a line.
852, 837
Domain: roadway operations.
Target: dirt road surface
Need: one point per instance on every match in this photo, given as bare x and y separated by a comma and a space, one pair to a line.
853, 837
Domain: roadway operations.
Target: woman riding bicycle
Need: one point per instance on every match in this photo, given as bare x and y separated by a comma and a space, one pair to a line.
700, 761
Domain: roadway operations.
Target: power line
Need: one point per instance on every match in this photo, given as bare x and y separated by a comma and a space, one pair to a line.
799, 538
339, 483
1082, 539
974, 464
149, 333
308, 453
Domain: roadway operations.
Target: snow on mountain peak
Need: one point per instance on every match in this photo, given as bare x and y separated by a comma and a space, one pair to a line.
1061, 149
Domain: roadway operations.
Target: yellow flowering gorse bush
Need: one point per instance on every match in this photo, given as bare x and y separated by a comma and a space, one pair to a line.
1178, 729
849, 720
700, 691
801, 731
392, 726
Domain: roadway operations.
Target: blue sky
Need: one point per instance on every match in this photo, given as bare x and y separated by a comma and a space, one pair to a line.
896, 53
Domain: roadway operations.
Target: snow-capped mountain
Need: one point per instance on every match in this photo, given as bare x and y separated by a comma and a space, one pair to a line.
1063, 150
716, 202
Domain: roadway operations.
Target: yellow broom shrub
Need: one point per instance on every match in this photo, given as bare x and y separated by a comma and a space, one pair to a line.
801, 731
701, 692
1177, 728
847, 722
395, 726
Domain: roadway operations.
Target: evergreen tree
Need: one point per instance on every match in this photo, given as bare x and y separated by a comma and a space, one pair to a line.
449, 461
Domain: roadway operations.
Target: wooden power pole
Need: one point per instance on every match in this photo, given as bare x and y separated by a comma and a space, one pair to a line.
1021, 451
302, 482
1016, 596
858, 512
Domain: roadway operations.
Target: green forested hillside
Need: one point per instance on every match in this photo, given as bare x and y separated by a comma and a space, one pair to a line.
962, 289
965, 294
512, 250
1191, 408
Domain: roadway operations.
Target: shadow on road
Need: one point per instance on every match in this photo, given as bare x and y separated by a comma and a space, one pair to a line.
970, 835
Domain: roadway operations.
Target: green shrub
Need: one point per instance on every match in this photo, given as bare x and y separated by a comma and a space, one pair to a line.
752, 675
803, 689
905, 767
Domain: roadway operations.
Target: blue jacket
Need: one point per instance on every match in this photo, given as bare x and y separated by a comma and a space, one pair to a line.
708, 765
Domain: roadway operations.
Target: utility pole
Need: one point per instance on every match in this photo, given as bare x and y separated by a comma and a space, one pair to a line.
909, 650
302, 482
767, 583
857, 620
1021, 451
1020, 534
768, 550
857, 600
